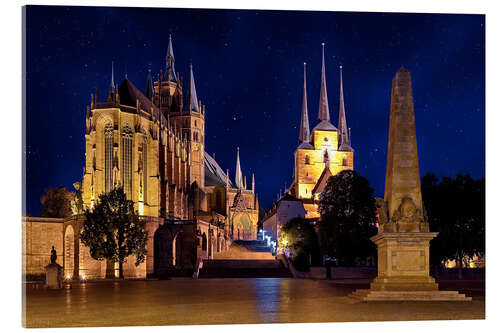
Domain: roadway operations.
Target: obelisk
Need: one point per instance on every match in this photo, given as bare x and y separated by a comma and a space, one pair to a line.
403, 236
402, 179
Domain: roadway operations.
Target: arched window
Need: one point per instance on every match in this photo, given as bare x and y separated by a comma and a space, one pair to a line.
325, 156
108, 156
145, 167
127, 160
307, 159
344, 161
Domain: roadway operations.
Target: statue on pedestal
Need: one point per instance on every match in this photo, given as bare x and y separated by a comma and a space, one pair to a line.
53, 272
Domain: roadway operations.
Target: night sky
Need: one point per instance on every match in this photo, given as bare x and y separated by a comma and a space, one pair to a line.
248, 72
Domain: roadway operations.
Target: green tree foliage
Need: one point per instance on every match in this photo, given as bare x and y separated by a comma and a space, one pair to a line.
348, 217
299, 238
113, 230
56, 202
456, 209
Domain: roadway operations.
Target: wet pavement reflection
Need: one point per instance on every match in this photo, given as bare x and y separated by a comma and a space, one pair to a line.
223, 301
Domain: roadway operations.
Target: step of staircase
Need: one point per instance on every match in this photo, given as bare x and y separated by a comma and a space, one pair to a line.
368, 295
243, 269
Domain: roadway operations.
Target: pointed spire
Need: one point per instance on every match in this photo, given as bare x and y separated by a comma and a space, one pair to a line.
324, 111
170, 69
343, 134
304, 120
238, 177
192, 99
149, 86
112, 84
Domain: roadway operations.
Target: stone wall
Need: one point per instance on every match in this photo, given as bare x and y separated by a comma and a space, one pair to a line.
39, 234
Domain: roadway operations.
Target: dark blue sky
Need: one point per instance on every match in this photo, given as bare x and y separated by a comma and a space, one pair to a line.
248, 71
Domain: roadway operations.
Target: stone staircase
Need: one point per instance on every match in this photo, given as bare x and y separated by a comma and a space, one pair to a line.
246, 250
244, 259
430, 295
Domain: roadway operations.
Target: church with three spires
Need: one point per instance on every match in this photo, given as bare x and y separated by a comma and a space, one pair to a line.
322, 152
152, 144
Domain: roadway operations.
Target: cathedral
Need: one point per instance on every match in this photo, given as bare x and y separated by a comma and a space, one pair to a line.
153, 145
322, 152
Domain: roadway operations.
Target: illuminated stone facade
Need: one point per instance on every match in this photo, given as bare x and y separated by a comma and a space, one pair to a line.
323, 152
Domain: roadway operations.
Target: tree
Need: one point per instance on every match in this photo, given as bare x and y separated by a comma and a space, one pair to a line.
456, 209
56, 202
113, 230
299, 238
348, 217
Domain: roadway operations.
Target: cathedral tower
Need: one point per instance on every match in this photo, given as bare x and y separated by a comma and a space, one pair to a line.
184, 115
191, 122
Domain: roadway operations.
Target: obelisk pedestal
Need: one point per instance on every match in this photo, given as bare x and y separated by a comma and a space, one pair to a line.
403, 270
403, 238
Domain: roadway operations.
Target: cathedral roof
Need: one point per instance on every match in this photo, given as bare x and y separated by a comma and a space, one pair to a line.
214, 175
305, 145
129, 94
324, 125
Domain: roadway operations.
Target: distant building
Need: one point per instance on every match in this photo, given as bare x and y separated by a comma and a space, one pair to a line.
285, 209
322, 153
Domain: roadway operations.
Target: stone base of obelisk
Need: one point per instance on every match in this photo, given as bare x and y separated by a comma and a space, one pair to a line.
403, 270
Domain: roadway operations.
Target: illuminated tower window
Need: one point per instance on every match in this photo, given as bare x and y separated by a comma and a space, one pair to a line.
344, 161
108, 156
307, 159
127, 160
325, 156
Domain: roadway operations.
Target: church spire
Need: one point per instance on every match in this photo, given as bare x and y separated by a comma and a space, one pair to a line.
344, 137
149, 86
324, 111
192, 99
170, 69
112, 84
238, 177
112, 88
304, 120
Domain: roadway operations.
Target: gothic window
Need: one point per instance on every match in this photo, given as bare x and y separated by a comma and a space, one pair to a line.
344, 161
195, 123
145, 167
325, 156
307, 159
108, 156
127, 161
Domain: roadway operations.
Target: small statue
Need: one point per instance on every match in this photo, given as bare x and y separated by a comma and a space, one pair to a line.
53, 255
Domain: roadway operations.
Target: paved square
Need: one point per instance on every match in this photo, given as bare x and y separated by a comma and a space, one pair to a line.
230, 301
